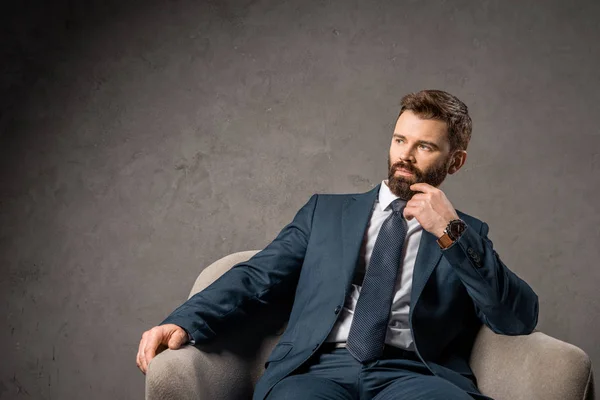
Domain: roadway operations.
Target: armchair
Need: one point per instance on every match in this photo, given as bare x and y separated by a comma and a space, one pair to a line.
536, 365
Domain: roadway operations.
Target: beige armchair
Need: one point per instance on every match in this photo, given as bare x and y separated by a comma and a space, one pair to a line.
537, 366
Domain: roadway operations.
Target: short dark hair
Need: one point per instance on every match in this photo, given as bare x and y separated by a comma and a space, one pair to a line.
442, 106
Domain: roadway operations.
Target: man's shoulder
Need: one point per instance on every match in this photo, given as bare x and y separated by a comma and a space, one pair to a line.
331, 198
336, 196
327, 202
342, 196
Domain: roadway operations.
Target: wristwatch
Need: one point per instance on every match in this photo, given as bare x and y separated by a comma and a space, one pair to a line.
453, 230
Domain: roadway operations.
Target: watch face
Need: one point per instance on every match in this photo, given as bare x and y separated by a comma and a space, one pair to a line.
457, 227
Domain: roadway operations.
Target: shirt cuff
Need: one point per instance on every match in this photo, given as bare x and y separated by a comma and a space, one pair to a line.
190, 338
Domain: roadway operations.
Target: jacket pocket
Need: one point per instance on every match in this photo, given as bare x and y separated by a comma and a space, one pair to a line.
279, 352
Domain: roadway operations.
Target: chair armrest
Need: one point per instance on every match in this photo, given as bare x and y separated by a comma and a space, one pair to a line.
228, 367
534, 366
189, 373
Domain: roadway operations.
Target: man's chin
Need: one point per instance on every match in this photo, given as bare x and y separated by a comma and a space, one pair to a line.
401, 188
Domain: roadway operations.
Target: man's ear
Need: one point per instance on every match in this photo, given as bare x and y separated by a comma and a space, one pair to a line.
458, 160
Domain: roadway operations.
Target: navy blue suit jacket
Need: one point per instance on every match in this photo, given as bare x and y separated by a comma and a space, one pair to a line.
454, 290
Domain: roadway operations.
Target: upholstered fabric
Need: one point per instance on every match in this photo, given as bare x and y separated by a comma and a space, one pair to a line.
530, 367
537, 366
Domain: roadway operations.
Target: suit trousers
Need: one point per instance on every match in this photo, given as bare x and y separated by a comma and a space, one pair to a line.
334, 374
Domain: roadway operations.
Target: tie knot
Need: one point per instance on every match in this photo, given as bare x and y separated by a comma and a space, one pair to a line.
398, 205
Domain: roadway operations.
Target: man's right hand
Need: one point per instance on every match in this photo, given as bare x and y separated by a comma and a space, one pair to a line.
158, 339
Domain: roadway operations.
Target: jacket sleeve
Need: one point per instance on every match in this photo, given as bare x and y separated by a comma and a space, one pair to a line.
249, 285
503, 301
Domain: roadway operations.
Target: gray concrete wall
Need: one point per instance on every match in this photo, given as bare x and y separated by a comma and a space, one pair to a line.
142, 142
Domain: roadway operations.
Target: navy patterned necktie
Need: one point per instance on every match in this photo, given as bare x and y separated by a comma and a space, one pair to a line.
371, 315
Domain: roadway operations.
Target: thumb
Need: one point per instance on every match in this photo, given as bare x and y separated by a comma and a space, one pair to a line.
177, 339
408, 215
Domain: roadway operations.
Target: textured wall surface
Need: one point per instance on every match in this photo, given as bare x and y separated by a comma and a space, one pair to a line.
140, 143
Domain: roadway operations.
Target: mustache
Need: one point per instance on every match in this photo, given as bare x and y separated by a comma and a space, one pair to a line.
406, 166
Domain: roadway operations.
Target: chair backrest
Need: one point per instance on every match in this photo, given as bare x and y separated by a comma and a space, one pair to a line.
218, 268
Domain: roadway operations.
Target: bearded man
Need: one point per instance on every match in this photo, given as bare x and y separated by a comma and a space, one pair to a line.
389, 287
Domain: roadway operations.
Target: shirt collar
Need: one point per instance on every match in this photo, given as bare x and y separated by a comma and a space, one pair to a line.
386, 197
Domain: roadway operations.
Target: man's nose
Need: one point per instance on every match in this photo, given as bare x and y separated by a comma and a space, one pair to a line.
406, 155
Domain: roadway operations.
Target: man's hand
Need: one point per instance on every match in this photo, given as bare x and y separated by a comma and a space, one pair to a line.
158, 339
431, 208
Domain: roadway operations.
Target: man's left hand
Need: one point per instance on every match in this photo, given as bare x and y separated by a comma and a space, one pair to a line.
431, 208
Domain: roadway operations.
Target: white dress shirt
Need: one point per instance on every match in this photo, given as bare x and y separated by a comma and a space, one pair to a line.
398, 331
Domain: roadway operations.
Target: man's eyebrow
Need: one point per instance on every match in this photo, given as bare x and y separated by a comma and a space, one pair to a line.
431, 144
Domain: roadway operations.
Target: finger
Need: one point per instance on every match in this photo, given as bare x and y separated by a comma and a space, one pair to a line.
177, 339
142, 362
149, 350
422, 187
409, 213
149, 354
138, 358
418, 196
415, 203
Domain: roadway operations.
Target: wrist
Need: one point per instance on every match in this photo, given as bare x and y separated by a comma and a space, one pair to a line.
440, 230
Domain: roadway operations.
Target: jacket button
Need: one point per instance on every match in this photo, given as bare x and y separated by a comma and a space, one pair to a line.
470, 251
337, 309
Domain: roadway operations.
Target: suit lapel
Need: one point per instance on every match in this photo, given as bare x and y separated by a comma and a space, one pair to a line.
356, 213
427, 258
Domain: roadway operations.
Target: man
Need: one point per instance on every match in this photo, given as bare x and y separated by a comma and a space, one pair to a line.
391, 286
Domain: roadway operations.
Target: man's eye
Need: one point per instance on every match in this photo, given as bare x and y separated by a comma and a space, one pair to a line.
425, 147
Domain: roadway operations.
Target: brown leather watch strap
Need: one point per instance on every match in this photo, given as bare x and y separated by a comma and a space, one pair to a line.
444, 241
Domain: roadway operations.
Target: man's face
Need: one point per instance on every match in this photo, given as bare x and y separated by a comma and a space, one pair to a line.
419, 153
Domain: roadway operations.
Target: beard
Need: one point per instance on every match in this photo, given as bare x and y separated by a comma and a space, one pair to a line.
400, 185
